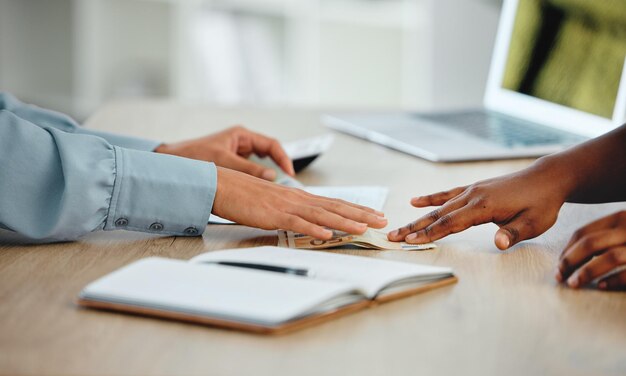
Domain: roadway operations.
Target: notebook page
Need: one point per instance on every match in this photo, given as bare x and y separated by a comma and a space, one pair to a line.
216, 291
369, 274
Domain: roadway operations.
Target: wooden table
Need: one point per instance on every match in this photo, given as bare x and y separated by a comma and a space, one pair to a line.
506, 316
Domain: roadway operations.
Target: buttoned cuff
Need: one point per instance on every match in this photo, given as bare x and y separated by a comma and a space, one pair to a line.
161, 193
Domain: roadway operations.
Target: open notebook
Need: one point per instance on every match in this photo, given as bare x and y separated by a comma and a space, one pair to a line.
204, 291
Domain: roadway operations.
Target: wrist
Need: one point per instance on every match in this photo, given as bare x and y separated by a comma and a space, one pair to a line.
557, 173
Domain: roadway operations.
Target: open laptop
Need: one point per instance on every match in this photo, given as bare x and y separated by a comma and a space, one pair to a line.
511, 124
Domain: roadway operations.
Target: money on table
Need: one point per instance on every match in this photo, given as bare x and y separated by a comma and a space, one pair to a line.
371, 239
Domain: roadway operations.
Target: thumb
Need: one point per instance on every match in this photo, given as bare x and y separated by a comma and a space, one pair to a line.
238, 163
521, 228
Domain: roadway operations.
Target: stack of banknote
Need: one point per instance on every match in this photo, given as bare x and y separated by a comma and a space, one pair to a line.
371, 239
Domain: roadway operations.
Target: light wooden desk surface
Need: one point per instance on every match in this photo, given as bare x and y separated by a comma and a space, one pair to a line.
506, 316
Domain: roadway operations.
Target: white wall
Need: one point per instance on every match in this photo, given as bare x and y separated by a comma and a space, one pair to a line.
463, 39
72, 55
36, 50
361, 65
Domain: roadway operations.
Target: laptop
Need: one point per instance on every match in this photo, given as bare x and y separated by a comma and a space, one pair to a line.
512, 123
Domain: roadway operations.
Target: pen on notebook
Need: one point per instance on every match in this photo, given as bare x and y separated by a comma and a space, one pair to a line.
269, 268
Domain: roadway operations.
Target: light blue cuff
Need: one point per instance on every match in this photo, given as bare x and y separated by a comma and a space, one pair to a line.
161, 193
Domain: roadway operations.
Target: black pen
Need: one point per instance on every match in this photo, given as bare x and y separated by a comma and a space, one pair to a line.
269, 268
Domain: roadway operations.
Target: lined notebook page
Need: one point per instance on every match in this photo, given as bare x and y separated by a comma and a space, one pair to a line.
369, 274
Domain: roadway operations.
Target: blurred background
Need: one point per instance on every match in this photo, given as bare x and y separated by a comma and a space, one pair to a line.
74, 55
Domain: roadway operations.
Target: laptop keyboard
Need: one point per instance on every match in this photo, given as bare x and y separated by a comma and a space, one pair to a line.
503, 130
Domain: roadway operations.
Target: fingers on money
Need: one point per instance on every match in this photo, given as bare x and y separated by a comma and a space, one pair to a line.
297, 224
313, 213
358, 214
335, 202
440, 220
445, 225
323, 217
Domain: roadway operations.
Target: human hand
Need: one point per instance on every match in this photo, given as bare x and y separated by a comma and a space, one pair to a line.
254, 202
594, 251
524, 205
231, 148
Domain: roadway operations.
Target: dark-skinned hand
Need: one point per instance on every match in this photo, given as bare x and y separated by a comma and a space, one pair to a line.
596, 251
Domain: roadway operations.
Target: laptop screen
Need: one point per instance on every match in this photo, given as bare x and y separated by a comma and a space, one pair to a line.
569, 52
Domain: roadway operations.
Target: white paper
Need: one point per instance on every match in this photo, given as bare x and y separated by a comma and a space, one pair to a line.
230, 293
368, 274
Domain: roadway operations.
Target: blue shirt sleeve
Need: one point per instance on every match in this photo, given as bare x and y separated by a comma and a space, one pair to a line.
58, 185
52, 119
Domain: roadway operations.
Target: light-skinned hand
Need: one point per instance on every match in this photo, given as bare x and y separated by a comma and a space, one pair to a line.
594, 251
231, 149
250, 201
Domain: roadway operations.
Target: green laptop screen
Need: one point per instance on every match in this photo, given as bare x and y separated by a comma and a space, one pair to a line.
569, 52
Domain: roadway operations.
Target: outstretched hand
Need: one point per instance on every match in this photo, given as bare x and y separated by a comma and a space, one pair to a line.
249, 201
523, 205
231, 149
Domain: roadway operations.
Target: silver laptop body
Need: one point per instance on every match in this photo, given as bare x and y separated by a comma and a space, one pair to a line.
512, 124
455, 136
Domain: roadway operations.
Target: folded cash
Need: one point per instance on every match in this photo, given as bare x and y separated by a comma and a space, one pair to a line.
371, 239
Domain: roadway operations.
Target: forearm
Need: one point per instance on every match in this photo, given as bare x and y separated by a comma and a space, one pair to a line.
592, 172
56, 185
51, 119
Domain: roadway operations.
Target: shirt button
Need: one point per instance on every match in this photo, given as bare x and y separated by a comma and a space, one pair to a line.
191, 231
121, 222
156, 226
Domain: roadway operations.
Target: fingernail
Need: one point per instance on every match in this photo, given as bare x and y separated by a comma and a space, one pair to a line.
502, 240
603, 285
394, 233
572, 281
381, 219
269, 175
411, 237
